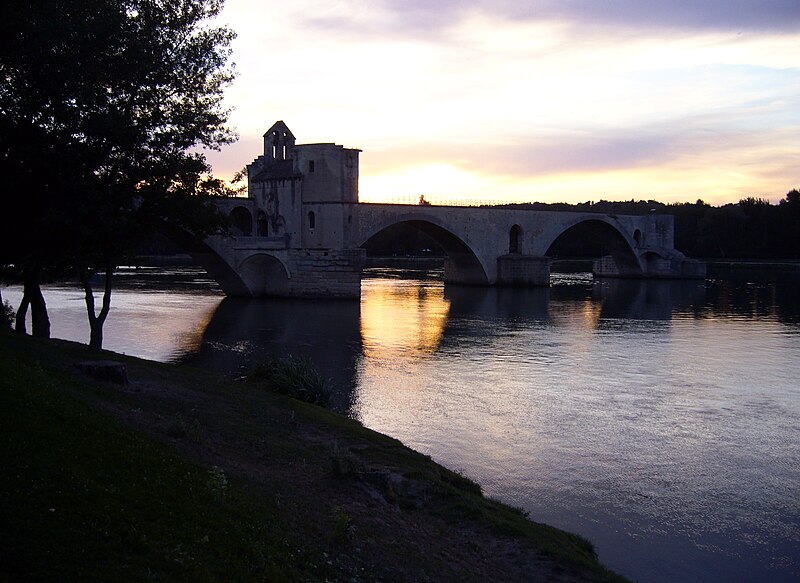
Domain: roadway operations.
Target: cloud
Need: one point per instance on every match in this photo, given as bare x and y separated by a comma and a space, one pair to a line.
530, 157
419, 17
529, 98
690, 157
576, 152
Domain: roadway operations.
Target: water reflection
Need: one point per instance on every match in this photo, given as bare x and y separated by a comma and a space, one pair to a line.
244, 332
189, 339
756, 292
653, 417
646, 300
579, 294
660, 419
402, 318
492, 303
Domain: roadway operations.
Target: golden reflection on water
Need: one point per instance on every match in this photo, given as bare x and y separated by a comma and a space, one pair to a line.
191, 340
578, 315
591, 314
402, 318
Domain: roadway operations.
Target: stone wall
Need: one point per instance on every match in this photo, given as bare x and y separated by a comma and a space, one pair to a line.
326, 273
676, 266
518, 269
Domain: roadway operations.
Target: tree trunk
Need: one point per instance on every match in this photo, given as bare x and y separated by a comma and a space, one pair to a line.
40, 322
32, 297
22, 312
96, 321
6, 322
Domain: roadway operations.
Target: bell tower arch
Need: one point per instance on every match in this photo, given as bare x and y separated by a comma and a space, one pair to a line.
278, 142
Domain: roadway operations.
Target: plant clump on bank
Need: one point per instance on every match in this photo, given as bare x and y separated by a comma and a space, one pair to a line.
294, 376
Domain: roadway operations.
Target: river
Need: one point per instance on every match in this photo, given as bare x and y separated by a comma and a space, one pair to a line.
661, 420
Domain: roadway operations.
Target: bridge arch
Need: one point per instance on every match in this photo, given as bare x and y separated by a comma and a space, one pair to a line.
264, 275
614, 241
258, 275
462, 264
206, 254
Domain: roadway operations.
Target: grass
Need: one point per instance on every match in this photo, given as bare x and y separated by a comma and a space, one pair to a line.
82, 498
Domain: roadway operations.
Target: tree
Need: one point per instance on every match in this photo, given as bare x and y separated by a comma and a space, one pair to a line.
103, 105
6, 314
790, 222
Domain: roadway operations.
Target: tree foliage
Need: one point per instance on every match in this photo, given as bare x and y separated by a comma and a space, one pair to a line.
103, 106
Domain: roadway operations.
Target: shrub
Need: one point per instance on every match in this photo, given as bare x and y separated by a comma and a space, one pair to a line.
217, 481
179, 428
341, 525
345, 464
6, 316
294, 376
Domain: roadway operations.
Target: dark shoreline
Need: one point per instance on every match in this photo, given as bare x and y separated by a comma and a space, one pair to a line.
355, 505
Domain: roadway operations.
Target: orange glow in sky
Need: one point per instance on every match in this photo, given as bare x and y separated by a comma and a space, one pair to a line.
528, 101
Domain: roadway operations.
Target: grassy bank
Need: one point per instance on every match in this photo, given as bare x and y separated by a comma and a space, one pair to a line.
182, 476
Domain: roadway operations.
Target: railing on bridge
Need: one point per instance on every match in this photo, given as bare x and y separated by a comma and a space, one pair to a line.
425, 200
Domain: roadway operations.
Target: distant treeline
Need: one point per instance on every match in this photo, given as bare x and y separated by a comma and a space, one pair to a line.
752, 228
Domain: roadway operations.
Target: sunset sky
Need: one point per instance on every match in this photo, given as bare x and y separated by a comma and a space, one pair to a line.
508, 100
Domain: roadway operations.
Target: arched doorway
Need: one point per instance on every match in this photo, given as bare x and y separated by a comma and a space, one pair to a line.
241, 221
262, 226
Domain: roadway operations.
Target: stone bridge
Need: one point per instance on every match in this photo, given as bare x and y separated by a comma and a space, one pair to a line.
301, 232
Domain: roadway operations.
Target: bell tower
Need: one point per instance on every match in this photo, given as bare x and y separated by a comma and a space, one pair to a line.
278, 142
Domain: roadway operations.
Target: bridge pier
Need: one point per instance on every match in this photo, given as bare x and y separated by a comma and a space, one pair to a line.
462, 268
519, 269
674, 266
326, 273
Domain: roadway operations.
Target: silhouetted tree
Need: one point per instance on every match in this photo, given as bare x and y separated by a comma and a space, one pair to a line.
101, 106
6, 314
790, 221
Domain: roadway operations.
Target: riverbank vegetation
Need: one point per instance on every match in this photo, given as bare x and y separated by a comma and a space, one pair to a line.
294, 376
180, 475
